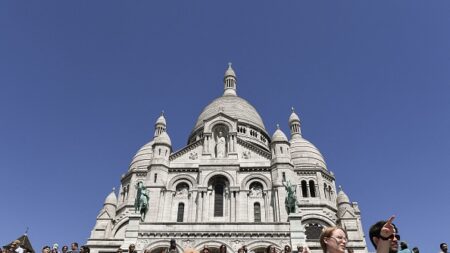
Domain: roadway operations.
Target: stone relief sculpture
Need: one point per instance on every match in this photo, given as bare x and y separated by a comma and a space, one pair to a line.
246, 154
255, 191
193, 156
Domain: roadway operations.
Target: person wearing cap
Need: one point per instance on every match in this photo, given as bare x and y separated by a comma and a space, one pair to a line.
55, 248
16, 246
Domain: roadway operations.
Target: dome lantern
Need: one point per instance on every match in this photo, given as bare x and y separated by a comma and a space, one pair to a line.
229, 82
160, 125
294, 123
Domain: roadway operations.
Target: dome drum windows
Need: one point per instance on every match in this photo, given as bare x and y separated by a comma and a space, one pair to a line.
308, 189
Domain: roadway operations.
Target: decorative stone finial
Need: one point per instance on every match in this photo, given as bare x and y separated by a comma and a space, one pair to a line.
292, 108
162, 113
278, 126
114, 189
340, 187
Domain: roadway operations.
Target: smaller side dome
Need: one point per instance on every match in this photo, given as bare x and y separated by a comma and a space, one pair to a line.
279, 136
342, 197
305, 153
143, 157
112, 198
163, 138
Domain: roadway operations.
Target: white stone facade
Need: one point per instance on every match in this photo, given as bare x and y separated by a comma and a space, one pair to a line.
227, 187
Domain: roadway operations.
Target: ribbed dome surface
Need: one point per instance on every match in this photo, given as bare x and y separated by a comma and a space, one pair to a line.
143, 157
304, 152
163, 138
279, 136
234, 107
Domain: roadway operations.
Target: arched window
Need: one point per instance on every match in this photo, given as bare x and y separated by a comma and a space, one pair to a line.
312, 188
304, 189
180, 213
257, 212
219, 186
313, 230
218, 200
330, 192
325, 191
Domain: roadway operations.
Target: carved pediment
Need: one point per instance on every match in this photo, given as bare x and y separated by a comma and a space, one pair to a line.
248, 151
190, 153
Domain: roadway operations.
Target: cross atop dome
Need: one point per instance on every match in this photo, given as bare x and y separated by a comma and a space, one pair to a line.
229, 82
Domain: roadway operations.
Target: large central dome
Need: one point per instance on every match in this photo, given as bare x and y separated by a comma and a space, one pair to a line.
233, 106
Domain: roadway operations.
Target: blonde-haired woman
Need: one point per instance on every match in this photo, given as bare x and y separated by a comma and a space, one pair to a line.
333, 240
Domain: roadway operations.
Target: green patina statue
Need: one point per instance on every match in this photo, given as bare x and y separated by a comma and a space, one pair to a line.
291, 198
141, 201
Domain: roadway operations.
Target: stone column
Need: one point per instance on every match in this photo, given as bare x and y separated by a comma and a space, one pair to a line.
161, 206
233, 206
200, 207
205, 206
191, 207
266, 207
277, 205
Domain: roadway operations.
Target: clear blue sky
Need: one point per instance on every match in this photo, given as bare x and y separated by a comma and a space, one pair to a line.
82, 83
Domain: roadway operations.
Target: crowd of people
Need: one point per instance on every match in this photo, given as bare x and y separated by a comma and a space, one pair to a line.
384, 236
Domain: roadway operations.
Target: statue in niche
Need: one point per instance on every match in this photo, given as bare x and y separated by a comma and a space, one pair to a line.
220, 146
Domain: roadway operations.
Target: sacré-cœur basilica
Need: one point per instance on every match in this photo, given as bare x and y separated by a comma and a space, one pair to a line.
232, 184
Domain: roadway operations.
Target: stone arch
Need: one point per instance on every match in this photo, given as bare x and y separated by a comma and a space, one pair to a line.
213, 244
251, 178
318, 217
190, 180
263, 244
119, 226
225, 122
160, 244
217, 173
314, 227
